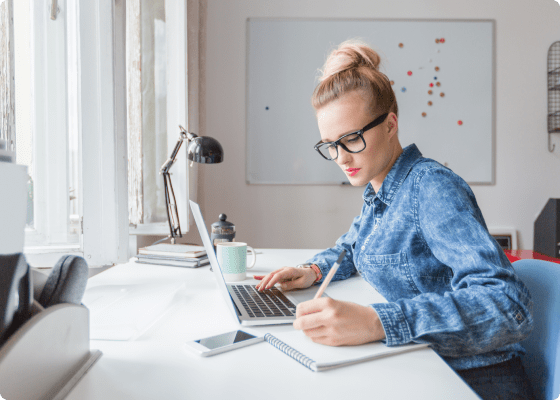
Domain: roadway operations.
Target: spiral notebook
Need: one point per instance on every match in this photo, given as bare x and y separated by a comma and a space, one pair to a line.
319, 357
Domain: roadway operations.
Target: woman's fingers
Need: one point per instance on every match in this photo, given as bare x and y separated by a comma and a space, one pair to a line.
265, 281
288, 277
283, 276
336, 323
278, 277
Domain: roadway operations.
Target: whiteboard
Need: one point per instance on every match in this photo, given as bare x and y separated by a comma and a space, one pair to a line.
283, 59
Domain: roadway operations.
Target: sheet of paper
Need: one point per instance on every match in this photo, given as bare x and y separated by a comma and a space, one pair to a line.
124, 312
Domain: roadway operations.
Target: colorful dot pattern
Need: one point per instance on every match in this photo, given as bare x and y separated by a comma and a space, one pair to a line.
232, 259
431, 84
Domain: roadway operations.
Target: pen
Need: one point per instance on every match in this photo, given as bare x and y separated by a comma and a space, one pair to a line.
330, 275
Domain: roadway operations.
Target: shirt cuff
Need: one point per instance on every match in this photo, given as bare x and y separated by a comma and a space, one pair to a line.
396, 328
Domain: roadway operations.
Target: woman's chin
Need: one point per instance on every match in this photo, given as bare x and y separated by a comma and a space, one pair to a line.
356, 182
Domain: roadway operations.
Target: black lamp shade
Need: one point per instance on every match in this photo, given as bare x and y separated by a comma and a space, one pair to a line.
205, 150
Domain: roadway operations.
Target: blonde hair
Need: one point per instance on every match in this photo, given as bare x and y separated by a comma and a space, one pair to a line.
354, 66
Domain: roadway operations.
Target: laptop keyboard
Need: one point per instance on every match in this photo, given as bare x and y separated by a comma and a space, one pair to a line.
268, 303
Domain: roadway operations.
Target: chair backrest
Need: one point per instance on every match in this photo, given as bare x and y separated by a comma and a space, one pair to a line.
542, 361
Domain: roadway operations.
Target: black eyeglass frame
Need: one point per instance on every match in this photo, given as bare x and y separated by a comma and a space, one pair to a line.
360, 133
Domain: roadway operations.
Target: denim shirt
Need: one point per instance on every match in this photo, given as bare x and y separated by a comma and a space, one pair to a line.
422, 243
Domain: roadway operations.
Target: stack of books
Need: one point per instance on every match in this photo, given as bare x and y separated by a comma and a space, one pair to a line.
175, 255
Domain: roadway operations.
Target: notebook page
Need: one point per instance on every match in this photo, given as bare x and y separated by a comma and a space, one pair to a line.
330, 356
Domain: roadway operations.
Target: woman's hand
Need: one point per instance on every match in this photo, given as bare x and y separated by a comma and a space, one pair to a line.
338, 323
288, 277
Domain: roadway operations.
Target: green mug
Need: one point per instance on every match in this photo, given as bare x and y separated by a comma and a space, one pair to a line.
232, 257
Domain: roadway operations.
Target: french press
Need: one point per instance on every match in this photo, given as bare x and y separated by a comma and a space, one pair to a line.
222, 231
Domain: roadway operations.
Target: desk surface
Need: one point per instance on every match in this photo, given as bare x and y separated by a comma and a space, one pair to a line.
157, 366
515, 255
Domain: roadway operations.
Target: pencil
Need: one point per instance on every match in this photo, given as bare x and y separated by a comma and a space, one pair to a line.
330, 275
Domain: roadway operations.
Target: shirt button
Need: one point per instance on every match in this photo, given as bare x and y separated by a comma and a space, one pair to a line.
519, 316
363, 247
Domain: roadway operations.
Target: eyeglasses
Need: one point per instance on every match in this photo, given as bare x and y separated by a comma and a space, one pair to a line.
352, 142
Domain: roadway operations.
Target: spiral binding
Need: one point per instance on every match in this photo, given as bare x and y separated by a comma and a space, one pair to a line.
284, 348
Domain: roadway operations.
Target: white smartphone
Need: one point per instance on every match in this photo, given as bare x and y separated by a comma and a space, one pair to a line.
223, 342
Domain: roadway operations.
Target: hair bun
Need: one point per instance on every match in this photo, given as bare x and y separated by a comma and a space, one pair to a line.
350, 54
354, 66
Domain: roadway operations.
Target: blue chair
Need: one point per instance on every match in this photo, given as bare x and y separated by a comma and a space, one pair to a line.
542, 361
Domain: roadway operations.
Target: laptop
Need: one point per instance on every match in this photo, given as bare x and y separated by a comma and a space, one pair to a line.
247, 305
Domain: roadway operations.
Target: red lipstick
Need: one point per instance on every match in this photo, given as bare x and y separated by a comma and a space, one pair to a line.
352, 171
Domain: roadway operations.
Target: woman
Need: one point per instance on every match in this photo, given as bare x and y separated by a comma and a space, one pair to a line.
420, 241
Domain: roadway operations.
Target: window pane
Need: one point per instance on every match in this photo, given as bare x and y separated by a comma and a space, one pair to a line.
46, 122
154, 109
24, 151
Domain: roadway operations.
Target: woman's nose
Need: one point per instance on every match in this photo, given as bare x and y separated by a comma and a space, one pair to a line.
343, 156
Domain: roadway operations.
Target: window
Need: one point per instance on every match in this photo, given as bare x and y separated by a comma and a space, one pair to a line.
147, 114
158, 49
71, 128
73, 114
46, 131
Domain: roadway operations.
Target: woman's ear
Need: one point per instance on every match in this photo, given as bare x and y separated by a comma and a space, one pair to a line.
392, 123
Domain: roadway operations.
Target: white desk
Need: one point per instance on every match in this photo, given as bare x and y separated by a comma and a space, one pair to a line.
157, 366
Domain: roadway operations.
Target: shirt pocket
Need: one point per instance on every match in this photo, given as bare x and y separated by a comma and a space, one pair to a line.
390, 275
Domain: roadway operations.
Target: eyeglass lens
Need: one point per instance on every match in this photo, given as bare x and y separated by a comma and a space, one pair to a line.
352, 142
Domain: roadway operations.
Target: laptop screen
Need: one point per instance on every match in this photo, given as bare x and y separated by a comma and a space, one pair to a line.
212, 255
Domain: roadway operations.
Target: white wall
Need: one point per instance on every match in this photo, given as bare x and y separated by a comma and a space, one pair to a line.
313, 217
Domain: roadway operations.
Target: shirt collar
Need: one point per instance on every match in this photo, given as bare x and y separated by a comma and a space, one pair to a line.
395, 177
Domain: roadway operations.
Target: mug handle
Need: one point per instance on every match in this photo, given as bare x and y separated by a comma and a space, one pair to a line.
254, 257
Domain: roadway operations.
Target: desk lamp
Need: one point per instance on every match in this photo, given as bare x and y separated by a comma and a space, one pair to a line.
200, 149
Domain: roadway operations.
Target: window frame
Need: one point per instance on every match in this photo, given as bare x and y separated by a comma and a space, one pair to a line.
100, 121
182, 63
49, 117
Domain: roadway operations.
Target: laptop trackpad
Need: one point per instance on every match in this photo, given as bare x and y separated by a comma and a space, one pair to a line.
301, 295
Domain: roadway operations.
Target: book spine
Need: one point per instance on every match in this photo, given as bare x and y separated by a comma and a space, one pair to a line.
293, 353
171, 261
189, 259
165, 263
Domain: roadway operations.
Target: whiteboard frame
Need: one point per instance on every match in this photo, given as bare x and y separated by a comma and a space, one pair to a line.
492, 22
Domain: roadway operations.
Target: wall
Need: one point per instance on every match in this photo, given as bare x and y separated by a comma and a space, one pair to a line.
287, 216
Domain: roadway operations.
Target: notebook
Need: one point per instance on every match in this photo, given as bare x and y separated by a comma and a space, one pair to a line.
318, 357
173, 250
243, 300
172, 261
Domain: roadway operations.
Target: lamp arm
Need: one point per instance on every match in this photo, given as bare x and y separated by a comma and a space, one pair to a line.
170, 202
171, 207
183, 135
